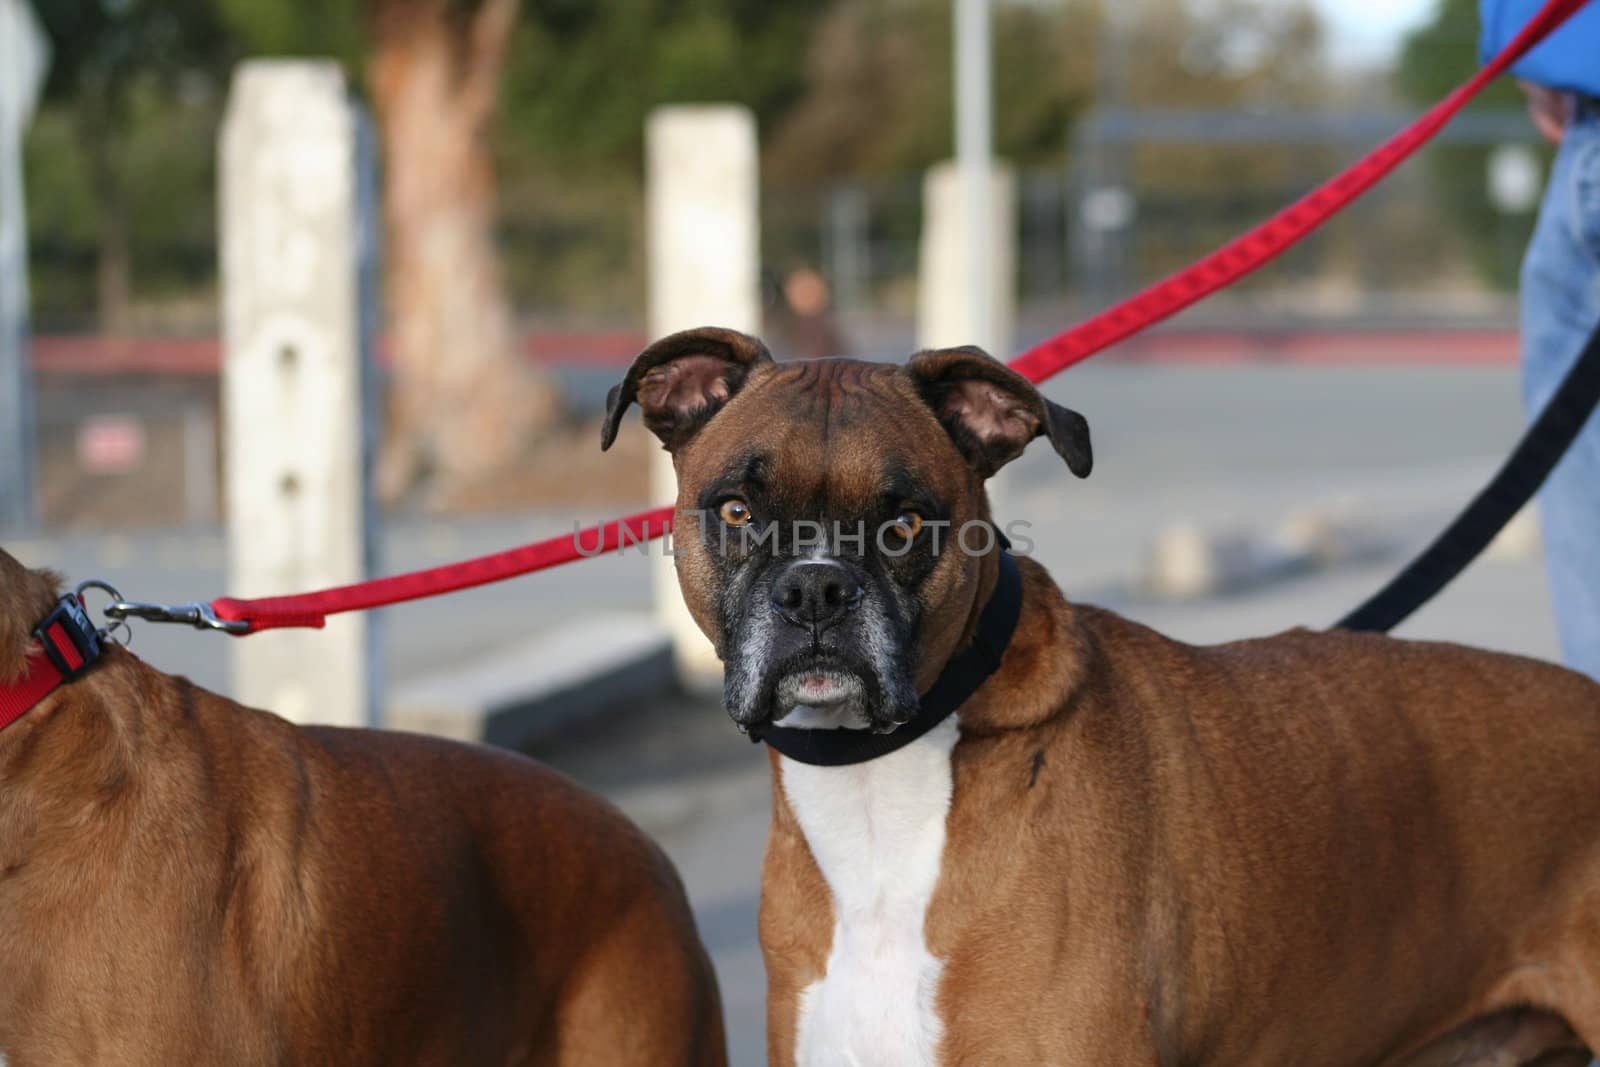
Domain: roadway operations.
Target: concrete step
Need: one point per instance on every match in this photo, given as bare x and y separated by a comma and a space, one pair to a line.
525, 690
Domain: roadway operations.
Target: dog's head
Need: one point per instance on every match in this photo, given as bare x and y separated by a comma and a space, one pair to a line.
831, 521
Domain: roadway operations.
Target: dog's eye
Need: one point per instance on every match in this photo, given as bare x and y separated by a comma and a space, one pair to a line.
735, 512
907, 524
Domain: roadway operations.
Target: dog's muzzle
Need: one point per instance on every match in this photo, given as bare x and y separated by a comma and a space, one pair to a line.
815, 594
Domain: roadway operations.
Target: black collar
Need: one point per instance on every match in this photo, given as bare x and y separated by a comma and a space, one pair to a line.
961, 677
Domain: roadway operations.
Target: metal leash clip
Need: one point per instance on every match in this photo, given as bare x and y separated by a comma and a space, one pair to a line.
199, 615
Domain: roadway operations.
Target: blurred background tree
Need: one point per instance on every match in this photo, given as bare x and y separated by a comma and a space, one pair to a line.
841, 89
464, 405
576, 79
1432, 62
897, 57
513, 136
129, 82
333, 28
583, 77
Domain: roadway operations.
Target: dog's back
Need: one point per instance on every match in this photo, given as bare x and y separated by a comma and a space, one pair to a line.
183, 880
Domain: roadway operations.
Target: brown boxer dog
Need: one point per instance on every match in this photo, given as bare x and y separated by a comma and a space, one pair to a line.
186, 881
1311, 849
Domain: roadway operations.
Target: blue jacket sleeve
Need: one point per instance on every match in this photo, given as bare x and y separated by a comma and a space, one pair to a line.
1568, 59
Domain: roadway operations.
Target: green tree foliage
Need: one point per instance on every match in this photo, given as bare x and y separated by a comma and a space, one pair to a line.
1229, 55
137, 86
297, 28
1436, 58
130, 80
581, 80
1441, 54
879, 102
103, 47
878, 93
840, 88
583, 76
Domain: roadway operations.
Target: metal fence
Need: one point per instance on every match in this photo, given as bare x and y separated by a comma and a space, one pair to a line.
1125, 209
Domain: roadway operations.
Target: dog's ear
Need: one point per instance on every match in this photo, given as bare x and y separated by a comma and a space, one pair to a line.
992, 412
683, 380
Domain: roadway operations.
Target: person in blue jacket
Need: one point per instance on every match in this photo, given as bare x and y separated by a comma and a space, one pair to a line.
1561, 298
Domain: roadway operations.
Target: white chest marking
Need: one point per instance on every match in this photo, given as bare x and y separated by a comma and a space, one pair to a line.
877, 831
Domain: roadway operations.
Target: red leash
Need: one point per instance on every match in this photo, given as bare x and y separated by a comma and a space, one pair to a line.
1223, 267
310, 609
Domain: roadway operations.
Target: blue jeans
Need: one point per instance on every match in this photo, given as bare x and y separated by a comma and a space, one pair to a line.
1560, 310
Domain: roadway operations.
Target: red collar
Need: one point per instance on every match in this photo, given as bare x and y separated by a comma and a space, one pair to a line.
68, 645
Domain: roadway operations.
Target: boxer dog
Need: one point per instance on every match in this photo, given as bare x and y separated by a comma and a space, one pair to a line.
1009, 829
186, 881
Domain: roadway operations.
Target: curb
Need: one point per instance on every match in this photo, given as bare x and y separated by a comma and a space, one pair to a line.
1187, 562
524, 692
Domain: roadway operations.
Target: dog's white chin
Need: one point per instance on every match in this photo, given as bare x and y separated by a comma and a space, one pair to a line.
831, 717
822, 700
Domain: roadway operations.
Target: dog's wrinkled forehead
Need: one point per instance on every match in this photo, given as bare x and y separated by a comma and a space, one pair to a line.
713, 389
828, 435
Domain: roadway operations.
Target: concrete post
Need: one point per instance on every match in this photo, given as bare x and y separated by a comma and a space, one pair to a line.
949, 274
24, 58
298, 237
946, 313
704, 246
974, 158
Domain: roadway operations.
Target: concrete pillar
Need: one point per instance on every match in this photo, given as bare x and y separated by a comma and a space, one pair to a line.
948, 277
298, 236
24, 58
975, 156
947, 313
704, 247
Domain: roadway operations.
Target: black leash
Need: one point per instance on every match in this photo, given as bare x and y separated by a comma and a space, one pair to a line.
1536, 455
960, 678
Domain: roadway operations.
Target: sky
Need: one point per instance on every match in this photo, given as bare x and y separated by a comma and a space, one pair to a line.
1367, 30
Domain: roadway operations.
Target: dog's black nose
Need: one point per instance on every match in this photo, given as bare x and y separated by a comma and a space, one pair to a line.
815, 593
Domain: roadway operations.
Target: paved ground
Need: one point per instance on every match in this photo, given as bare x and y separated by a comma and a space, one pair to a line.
1225, 447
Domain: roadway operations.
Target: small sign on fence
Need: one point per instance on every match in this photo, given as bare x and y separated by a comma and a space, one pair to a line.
111, 444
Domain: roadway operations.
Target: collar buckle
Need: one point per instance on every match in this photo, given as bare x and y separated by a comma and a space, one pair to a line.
70, 641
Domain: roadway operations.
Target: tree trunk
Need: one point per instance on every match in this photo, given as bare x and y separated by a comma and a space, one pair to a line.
463, 406
113, 288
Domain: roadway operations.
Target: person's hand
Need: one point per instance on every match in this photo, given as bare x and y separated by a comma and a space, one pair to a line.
1550, 109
